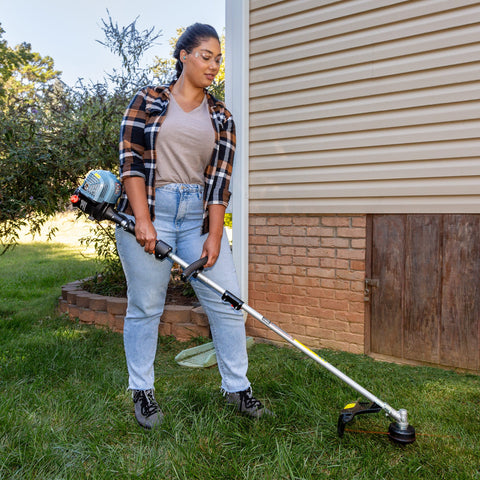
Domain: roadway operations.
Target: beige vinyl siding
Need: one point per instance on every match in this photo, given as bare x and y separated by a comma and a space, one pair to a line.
364, 106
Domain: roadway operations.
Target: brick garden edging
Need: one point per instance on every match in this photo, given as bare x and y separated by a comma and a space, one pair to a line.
183, 322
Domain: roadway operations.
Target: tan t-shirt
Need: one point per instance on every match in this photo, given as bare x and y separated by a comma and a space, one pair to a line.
184, 145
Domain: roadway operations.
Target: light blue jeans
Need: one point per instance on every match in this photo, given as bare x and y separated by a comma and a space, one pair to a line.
178, 221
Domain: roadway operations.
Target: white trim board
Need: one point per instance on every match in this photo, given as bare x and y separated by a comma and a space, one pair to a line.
236, 99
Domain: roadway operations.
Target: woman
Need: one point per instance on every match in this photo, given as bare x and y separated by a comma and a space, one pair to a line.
176, 152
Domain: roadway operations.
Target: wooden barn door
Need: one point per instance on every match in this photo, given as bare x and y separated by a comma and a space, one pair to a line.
424, 276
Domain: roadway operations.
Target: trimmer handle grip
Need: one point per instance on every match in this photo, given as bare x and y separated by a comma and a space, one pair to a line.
194, 268
162, 249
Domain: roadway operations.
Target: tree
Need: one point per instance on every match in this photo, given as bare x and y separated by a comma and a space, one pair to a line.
10, 60
130, 45
25, 80
51, 134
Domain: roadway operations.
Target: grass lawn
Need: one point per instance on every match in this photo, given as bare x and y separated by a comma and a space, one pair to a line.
65, 412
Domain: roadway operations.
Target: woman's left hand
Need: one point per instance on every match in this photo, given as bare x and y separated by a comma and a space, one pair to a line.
211, 249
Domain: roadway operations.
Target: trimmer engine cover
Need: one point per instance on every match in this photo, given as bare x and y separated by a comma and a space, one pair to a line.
98, 195
101, 186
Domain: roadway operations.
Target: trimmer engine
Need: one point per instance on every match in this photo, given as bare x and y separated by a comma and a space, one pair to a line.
99, 190
97, 197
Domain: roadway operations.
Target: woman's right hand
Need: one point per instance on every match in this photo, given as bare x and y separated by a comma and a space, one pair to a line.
146, 234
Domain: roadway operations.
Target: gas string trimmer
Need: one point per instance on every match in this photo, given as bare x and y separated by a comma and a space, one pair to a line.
97, 197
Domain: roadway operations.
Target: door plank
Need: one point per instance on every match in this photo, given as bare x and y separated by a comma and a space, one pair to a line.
388, 233
459, 346
423, 286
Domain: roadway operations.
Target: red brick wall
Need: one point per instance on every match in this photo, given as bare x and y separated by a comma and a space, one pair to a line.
306, 274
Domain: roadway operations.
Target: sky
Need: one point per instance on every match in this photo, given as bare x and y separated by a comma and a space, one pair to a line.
67, 30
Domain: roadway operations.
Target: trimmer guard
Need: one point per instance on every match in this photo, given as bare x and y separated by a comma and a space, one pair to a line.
352, 409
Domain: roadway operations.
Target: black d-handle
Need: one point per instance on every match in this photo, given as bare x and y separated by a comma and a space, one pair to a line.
194, 268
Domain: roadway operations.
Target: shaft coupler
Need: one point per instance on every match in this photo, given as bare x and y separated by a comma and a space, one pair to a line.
233, 300
162, 250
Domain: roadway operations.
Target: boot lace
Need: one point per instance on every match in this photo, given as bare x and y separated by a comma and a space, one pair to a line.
148, 403
249, 400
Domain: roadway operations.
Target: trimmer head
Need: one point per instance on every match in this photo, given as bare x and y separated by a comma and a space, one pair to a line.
399, 432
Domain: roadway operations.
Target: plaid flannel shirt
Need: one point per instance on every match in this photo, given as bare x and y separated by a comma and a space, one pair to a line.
139, 128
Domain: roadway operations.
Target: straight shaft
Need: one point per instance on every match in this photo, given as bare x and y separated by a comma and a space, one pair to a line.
397, 415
